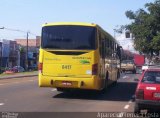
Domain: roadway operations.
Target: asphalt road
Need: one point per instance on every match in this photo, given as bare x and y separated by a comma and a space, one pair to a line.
24, 95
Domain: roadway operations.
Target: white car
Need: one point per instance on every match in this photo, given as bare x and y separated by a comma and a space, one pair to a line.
145, 66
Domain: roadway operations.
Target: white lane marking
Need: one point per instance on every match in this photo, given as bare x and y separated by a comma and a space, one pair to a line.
120, 115
17, 82
130, 102
31, 80
1, 104
126, 106
53, 89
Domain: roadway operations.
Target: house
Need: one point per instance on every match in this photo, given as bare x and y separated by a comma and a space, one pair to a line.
125, 39
30, 59
0, 57
5, 52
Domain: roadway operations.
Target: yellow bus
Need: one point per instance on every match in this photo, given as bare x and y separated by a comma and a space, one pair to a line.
76, 55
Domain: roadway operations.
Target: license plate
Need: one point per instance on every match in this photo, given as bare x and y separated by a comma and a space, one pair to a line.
157, 95
66, 83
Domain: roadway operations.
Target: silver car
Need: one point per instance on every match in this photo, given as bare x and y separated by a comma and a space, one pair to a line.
18, 69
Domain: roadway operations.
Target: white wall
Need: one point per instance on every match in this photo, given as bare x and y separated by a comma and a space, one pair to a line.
126, 43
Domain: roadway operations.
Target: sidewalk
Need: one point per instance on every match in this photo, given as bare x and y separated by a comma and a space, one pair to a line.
19, 75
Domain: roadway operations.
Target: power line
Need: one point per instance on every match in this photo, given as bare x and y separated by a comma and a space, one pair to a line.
17, 30
28, 32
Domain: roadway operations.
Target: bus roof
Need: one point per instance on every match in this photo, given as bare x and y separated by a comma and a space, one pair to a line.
81, 24
70, 23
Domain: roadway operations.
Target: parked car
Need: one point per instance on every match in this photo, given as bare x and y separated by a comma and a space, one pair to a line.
9, 71
128, 65
18, 69
144, 67
33, 67
147, 95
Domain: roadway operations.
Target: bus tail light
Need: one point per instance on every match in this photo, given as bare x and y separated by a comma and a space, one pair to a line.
40, 67
94, 69
140, 94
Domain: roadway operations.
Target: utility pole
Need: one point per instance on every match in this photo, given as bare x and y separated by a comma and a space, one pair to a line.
26, 61
27, 52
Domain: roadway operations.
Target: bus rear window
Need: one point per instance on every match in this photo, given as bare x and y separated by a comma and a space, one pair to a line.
68, 37
151, 77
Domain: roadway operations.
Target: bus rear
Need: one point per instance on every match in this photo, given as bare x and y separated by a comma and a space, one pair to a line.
67, 57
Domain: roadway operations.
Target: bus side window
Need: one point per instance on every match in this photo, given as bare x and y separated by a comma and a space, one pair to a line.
111, 49
107, 47
119, 52
103, 48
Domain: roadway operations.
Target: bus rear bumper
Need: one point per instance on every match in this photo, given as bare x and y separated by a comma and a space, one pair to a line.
92, 82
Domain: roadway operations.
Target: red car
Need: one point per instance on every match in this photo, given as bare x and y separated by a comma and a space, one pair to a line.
9, 71
147, 96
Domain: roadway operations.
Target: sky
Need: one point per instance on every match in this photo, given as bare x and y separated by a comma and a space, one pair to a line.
29, 15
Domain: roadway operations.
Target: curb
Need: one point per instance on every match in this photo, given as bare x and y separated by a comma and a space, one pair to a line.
18, 76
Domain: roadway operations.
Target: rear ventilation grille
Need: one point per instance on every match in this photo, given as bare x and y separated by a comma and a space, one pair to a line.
67, 53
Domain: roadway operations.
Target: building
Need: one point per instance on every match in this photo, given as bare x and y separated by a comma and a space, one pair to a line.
0, 49
30, 59
13, 54
126, 41
0, 57
31, 42
8, 54
5, 52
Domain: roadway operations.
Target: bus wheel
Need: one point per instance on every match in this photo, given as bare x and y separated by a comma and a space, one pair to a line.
118, 76
63, 90
60, 89
106, 83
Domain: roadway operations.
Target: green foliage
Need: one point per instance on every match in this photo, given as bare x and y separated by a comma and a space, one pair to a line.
22, 49
145, 27
156, 43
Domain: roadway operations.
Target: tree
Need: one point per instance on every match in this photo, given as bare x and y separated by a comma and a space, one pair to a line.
145, 27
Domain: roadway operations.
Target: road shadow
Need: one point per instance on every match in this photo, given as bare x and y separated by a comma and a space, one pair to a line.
122, 91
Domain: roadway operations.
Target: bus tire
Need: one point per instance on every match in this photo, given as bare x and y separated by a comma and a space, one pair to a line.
63, 90
106, 83
60, 89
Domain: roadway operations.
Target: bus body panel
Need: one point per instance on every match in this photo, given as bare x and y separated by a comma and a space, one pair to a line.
91, 83
67, 65
75, 68
79, 72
